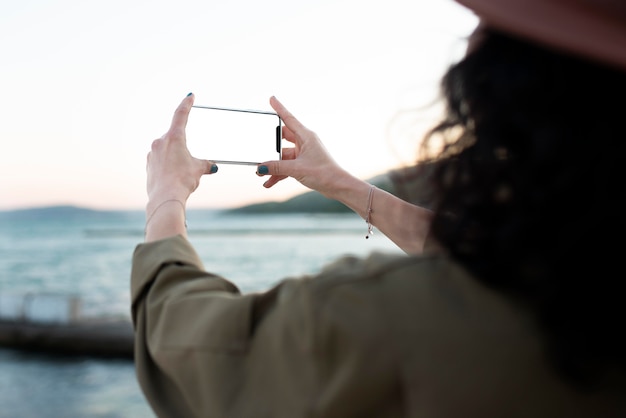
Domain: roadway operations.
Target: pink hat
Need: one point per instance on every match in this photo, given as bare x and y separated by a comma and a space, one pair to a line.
595, 29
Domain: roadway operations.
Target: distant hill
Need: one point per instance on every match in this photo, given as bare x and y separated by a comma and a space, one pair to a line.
310, 202
61, 213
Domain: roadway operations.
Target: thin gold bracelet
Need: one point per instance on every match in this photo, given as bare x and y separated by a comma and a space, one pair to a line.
368, 217
159, 206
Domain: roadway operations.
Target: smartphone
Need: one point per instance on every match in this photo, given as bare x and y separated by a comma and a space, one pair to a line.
234, 136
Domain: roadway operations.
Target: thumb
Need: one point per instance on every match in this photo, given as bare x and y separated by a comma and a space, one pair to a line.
282, 167
278, 170
181, 115
274, 168
208, 167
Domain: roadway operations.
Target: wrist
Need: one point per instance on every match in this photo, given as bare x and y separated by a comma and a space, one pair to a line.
164, 190
166, 218
338, 184
155, 201
348, 190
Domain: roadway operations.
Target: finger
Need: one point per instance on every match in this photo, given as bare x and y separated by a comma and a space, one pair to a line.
181, 115
289, 135
289, 154
273, 180
290, 120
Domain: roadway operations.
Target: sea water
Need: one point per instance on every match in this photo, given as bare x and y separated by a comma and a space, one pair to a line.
87, 255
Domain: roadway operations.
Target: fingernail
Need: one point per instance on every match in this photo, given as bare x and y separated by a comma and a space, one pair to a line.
189, 94
214, 168
263, 169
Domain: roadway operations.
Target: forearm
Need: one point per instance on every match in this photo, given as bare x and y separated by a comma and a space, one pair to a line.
403, 223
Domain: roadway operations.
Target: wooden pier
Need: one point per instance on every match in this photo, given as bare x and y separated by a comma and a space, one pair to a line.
109, 338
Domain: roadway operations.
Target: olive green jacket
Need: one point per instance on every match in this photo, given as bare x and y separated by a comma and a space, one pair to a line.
385, 336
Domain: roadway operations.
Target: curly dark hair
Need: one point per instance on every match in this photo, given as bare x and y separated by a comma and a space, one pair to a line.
529, 193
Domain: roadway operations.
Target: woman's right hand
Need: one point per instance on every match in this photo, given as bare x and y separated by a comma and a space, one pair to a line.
308, 161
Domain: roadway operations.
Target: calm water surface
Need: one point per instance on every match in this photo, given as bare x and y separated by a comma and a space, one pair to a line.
88, 256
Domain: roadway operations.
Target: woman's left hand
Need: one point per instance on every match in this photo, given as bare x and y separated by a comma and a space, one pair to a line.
173, 173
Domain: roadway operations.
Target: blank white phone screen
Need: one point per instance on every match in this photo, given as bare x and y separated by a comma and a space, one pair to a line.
236, 136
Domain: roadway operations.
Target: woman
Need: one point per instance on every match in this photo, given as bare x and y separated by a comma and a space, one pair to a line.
515, 310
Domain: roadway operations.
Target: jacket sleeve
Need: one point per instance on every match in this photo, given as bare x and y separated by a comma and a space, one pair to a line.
202, 348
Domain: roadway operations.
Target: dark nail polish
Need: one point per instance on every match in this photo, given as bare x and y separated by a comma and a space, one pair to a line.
214, 168
189, 94
263, 169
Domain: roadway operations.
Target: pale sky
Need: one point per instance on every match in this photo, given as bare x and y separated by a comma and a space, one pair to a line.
85, 86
